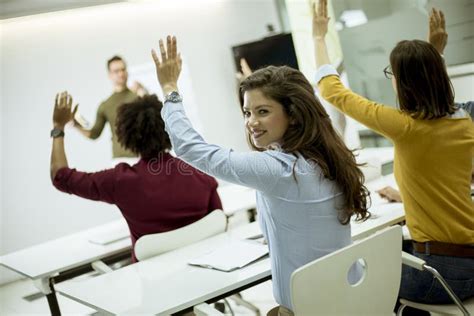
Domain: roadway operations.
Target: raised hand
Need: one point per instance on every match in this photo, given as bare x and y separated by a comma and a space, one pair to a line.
245, 70
320, 19
437, 36
62, 113
169, 67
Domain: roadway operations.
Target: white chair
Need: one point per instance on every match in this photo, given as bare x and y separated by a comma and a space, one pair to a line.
322, 287
458, 308
154, 244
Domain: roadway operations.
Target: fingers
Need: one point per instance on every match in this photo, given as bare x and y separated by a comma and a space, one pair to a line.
168, 52
383, 192
437, 19
442, 19
75, 110
432, 19
155, 58
175, 46
163, 51
180, 61
171, 47
63, 100
56, 101
69, 101
322, 11
323, 8
246, 70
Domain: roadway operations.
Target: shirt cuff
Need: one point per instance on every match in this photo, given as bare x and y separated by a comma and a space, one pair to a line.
170, 107
324, 71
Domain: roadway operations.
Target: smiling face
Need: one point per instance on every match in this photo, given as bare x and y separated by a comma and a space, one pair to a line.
265, 119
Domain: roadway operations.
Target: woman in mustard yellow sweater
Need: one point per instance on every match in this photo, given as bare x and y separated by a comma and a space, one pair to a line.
434, 146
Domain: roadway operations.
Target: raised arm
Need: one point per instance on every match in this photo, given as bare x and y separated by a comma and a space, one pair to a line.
61, 116
259, 170
82, 130
320, 29
98, 127
383, 119
437, 36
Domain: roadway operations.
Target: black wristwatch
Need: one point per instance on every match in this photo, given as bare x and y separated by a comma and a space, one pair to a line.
174, 97
56, 132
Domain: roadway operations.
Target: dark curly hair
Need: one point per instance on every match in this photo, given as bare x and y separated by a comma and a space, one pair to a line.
140, 128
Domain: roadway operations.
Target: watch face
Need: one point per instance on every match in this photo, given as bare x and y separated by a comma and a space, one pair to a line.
174, 97
57, 133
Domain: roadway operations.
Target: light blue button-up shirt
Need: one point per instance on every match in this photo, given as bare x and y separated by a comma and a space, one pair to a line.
299, 218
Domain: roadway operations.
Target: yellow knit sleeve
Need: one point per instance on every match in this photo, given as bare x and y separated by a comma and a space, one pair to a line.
383, 119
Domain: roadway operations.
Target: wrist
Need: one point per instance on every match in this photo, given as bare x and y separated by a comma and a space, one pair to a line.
319, 37
59, 126
168, 88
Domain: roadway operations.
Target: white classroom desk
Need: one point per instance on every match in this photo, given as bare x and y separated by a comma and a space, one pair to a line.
44, 262
166, 284
382, 154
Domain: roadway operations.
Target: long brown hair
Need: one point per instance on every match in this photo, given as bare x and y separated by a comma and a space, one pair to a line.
423, 86
312, 135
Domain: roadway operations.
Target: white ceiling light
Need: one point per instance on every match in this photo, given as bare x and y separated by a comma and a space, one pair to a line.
352, 18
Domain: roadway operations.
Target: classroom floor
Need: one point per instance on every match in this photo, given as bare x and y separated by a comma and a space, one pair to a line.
22, 298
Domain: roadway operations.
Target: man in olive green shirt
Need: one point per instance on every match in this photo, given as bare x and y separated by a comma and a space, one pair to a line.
107, 111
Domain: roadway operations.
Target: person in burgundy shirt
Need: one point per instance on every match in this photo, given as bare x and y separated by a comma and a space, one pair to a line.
159, 193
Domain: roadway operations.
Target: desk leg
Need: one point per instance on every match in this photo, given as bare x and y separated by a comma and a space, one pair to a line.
45, 285
252, 215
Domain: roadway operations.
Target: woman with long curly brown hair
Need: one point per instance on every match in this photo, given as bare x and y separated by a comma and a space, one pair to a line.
308, 183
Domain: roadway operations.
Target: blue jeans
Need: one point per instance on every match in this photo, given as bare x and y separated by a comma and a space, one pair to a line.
421, 286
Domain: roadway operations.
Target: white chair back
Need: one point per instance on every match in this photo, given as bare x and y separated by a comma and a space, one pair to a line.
322, 288
154, 244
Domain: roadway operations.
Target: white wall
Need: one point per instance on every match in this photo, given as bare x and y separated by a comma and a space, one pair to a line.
67, 50
2, 235
462, 77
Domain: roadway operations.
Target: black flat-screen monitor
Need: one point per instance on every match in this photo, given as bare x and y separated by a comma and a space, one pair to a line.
276, 50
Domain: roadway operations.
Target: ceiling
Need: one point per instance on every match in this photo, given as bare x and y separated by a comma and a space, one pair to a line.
17, 8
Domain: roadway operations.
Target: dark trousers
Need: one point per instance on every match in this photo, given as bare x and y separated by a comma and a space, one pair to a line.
421, 286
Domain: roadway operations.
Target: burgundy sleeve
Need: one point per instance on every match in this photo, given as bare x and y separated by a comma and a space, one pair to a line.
97, 186
215, 200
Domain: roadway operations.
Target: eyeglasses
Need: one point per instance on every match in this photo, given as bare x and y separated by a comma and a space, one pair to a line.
387, 71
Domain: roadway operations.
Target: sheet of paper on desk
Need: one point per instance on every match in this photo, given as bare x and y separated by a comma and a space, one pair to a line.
232, 256
112, 234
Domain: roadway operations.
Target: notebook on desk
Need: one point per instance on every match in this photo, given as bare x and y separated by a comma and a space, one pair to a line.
110, 235
232, 256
